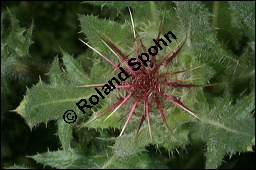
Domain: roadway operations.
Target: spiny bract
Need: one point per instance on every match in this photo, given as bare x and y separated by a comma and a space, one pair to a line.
146, 86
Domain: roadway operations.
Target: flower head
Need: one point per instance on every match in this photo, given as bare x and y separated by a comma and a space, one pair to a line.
147, 85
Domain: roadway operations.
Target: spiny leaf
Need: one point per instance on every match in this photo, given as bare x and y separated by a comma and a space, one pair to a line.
45, 102
17, 40
55, 74
128, 145
193, 18
228, 129
139, 161
65, 134
16, 62
153, 9
116, 33
75, 72
74, 159
246, 10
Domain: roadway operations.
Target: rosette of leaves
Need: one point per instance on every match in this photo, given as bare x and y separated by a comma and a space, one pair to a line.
226, 124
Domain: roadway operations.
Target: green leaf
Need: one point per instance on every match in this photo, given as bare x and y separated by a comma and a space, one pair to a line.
194, 21
246, 10
140, 161
93, 26
128, 145
153, 9
74, 159
75, 72
45, 102
16, 41
65, 134
228, 129
55, 74
16, 62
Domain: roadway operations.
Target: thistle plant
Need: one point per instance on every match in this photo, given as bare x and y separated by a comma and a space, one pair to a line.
147, 84
195, 92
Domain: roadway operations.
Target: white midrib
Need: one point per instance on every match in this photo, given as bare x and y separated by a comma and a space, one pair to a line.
219, 125
59, 101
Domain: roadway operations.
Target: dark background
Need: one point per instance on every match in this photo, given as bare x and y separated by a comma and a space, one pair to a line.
55, 26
